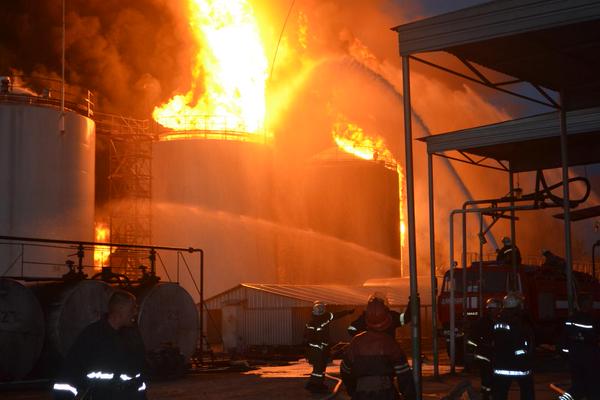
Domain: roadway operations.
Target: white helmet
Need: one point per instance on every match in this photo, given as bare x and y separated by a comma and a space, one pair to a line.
512, 300
318, 308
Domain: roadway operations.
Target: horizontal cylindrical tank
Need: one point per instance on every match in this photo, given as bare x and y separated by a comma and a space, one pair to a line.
167, 315
21, 330
355, 200
46, 181
70, 307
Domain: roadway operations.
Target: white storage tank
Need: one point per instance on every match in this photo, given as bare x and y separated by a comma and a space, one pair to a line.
46, 180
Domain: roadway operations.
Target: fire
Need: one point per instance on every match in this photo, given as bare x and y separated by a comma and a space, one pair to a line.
227, 93
101, 253
352, 139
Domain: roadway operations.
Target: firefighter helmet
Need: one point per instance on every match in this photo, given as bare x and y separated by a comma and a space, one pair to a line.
318, 308
512, 300
492, 303
381, 297
506, 241
378, 316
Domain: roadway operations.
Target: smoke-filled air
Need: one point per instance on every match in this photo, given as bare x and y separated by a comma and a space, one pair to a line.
280, 142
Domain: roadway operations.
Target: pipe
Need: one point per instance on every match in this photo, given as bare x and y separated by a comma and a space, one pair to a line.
480, 299
412, 252
434, 339
85, 243
452, 298
201, 306
597, 244
452, 285
513, 228
566, 204
464, 276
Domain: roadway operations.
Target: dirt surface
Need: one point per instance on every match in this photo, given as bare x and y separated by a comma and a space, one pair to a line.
286, 382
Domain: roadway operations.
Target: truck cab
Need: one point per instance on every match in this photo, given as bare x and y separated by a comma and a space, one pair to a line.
543, 289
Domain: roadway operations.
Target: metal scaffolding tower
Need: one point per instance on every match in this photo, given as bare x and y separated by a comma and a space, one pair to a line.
130, 187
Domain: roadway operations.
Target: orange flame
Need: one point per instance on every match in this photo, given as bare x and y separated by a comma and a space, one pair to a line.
101, 253
352, 139
227, 94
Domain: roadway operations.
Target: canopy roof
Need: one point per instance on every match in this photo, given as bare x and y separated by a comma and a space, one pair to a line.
525, 144
551, 43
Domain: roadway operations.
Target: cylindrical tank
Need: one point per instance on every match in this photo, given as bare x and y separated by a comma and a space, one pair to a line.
167, 315
46, 181
220, 175
21, 330
355, 200
70, 307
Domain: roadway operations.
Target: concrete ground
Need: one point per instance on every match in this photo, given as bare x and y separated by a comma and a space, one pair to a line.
286, 382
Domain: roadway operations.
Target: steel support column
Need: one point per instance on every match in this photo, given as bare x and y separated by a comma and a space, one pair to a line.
566, 205
513, 228
452, 333
412, 254
434, 338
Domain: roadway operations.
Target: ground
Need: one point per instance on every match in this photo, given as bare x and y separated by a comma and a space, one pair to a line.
286, 382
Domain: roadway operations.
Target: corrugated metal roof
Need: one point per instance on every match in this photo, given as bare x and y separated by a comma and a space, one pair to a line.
527, 143
492, 20
330, 294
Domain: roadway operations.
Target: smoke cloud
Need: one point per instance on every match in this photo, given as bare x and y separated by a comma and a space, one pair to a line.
132, 55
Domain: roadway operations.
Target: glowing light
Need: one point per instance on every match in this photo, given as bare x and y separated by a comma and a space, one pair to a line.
227, 93
101, 253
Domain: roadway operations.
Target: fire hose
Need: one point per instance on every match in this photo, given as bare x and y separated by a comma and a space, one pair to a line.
336, 388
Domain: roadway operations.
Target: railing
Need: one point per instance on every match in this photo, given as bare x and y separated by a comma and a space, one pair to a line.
47, 92
213, 127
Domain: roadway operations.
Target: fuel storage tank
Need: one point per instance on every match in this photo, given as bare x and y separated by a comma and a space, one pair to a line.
46, 178
69, 307
232, 176
167, 316
355, 200
21, 330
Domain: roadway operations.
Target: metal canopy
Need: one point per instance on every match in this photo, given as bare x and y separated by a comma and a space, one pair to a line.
525, 144
550, 43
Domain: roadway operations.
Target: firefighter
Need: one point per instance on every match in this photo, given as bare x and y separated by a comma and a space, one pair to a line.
512, 350
107, 358
373, 359
398, 319
479, 343
317, 338
504, 255
580, 344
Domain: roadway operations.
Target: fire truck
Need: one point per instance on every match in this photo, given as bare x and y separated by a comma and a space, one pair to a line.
544, 292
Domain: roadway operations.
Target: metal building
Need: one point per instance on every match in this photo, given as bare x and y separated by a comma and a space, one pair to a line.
252, 315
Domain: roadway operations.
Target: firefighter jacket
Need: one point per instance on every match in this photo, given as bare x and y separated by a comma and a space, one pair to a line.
480, 337
398, 319
580, 333
316, 333
103, 363
371, 362
504, 255
512, 345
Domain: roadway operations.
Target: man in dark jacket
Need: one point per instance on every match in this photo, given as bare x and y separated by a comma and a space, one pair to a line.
479, 343
316, 336
398, 319
107, 358
580, 344
505, 254
512, 350
373, 359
